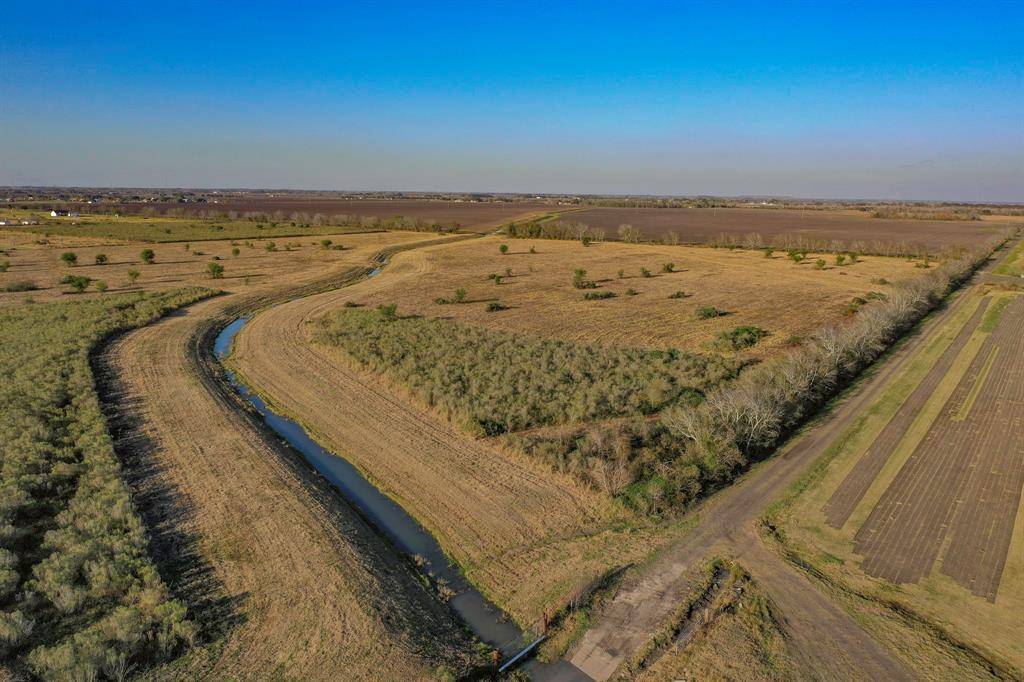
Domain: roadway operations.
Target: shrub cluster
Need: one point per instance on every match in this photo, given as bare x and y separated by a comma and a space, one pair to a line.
660, 465
79, 596
496, 382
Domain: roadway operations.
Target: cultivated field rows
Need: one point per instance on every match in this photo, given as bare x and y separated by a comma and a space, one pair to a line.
922, 503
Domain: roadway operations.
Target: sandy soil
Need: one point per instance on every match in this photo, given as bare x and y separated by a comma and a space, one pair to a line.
776, 294
294, 580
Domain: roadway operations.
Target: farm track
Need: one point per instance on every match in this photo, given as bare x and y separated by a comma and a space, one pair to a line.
966, 476
270, 560
727, 526
856, 484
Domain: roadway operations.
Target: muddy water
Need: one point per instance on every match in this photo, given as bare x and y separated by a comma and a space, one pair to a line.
488, 622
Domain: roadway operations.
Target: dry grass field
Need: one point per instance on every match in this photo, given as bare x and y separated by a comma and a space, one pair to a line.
253, 269
920, 504
282, 578
701, 225
785, 298
527, 537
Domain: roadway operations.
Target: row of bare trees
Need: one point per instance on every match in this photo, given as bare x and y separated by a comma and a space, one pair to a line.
749, 417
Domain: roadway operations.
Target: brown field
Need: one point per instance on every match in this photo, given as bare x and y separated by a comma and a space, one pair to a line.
467, 215
920, 504
254, 269
526, 536
542, 301
289, 581
964, 477
701, 225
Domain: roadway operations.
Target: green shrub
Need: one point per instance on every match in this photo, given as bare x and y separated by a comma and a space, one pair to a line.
678, 294
132, 275
668, 267
580, 281
631, 292
644, 272
740, 337
87, 595
69, 258
495, 306
215, 270
709, 311
101, 259
504, 382
20, 285
503, 249
77, 282
148, 256
598, 295
101, 286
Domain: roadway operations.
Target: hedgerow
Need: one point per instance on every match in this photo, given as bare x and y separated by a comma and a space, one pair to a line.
79, 595
495, 382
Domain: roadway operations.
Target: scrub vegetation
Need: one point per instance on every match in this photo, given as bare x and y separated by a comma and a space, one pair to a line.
500, 382
79, 594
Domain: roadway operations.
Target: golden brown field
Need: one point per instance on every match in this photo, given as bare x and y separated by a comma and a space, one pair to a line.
254, 269
284, 578
775, 293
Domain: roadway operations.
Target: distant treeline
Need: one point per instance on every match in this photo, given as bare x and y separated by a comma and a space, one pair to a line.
574, 230
80, 598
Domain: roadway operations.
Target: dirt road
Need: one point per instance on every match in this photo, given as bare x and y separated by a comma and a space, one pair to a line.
288, 579
828, 638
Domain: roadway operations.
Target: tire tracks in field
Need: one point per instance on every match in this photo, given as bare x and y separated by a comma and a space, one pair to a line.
485, 507
307, 588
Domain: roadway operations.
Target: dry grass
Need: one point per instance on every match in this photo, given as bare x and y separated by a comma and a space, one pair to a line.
526, 536
290, 582
990, 627
255, 269
740, 638
776, 294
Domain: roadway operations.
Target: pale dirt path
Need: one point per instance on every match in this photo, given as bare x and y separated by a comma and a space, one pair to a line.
317, 594
486, 507
823, 631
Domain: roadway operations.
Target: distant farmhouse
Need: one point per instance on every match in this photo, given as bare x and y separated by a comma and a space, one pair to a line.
62, 213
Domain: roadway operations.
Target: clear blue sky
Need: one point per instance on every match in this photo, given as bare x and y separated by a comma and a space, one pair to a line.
924, 100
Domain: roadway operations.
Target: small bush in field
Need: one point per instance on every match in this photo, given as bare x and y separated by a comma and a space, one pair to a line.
598, 295
69, 258
708, 312
495, 306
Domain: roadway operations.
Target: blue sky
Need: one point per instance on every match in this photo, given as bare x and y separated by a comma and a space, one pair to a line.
920, 100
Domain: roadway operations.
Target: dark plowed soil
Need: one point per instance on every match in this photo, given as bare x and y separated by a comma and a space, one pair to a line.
966, 475
853, 488
700, 225
465, 215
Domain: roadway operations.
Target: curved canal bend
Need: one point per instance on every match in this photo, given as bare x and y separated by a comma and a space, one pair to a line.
489, 623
